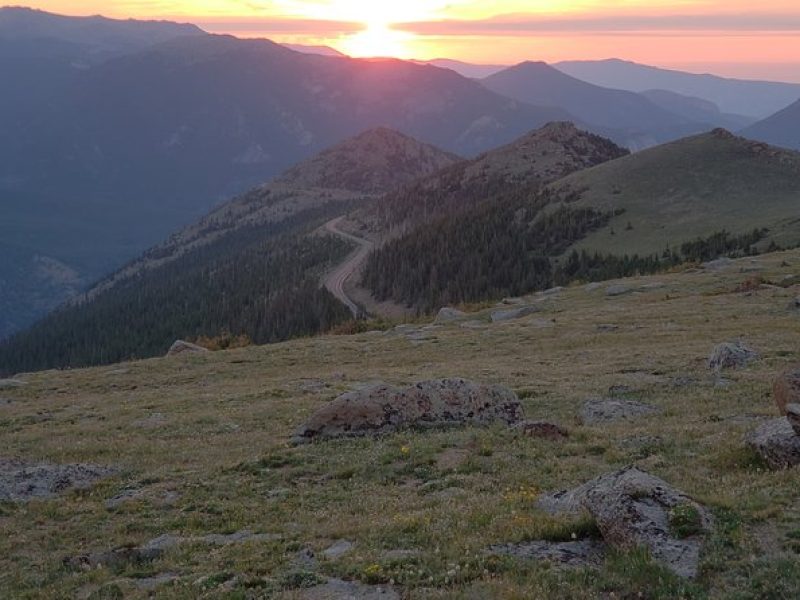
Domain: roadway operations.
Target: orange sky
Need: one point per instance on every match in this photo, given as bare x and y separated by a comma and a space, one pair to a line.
730, 37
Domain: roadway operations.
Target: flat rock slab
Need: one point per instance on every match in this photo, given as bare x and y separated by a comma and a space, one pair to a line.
633, 509
338, 549
21, 481
384, 408
448, 315
618, 290
777, 443
498, 316
580, 553
7, 384
731, 355
337, 589
607, 410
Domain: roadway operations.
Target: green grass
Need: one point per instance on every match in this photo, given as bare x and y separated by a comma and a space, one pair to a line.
420, 507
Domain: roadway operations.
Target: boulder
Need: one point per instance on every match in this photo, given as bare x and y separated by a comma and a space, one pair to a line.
634, 509
448, 315
22, 481
730, 355
338, 549
499, 316
608, 410
384, 408
618, 290
183, 347
793, 416
786, 388
542, 429
777, 443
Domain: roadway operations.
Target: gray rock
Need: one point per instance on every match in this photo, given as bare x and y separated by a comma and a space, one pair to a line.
149, 584
608, 410
730, 355
448, 315
593, 287
337, 589
618, 290
793, 416
633, 509
116, 559
183, 347
21, 481
338, 549
719, 264
777, 443
7, 384
499, 316
474, 325
305, 559
384, 408
580, 553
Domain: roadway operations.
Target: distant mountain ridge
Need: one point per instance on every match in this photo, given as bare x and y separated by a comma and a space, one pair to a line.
781, 129
757, 99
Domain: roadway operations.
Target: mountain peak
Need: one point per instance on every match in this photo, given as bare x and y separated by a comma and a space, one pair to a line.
374, 161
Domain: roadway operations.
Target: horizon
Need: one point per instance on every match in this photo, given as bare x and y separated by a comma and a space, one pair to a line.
702, 36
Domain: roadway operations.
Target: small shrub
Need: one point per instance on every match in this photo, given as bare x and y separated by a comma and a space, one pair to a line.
685, 520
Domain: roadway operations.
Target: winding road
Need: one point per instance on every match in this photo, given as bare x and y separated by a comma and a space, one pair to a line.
335, 281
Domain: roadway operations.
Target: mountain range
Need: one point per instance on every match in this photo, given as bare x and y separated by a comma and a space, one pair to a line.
781, 129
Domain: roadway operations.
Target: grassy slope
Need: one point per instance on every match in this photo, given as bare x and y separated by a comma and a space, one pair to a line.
692, 188
228, 416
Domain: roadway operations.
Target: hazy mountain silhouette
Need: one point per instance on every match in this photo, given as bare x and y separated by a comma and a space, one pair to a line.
756, 99
781, 129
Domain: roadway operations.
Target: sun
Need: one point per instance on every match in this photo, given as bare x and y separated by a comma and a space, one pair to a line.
378, 37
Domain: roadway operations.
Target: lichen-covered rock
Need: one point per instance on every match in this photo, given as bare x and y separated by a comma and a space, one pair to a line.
384, 408
793, 416
498, 316
448, 315
21, 481
183, 347
786, 388
608, 410
542, 429
635, 509
730, 355
777, 443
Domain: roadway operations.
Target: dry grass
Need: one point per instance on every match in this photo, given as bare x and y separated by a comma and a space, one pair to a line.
218, 460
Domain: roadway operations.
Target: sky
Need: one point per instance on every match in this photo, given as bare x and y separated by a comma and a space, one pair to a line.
730, 37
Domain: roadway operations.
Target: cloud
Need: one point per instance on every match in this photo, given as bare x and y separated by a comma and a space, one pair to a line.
511, 25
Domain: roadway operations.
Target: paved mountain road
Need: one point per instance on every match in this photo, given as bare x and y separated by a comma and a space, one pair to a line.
335, 281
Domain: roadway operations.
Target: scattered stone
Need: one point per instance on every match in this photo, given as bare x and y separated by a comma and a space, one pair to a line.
384, 408
21, 481
719, 264
124, 496
618, 290
777, 443
448, 315
498, 316
338, 549
149, 584
338, 589
7, 384
793, 416
730, 355
305, 559
786, 389
542, 429
580, 553
635, 509
183, 347
607, 410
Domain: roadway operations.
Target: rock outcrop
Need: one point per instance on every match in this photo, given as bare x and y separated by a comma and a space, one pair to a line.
183, 347
578, 553
730, 355
777, 443
384, 408
634, 509
786, 389
498, 316
608, 410
448, 315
